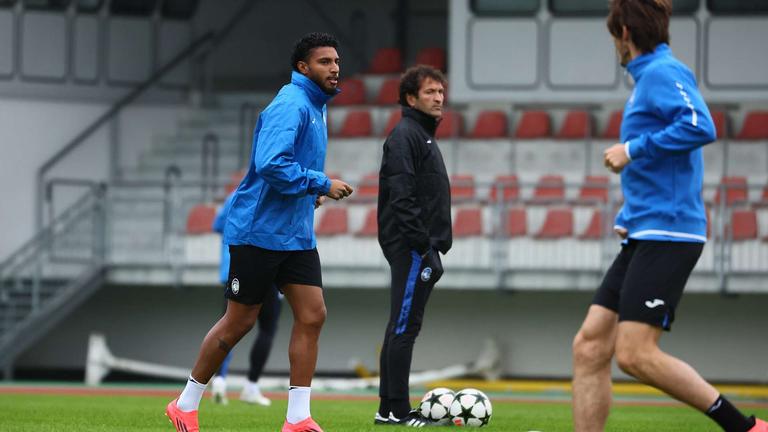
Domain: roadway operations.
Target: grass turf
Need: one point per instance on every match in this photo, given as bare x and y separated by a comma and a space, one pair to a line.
75, 413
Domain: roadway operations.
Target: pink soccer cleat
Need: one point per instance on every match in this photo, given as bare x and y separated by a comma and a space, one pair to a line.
182, 421
306, 425
760, 426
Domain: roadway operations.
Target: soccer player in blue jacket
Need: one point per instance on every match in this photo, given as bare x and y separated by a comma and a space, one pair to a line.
662, 223
270, 232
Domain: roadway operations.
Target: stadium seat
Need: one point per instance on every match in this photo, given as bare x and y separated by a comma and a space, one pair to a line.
763, 198
594, 189
356, 124
389, 92
533, 124
234, 180
755, 126
370, 226
613, 130
736, 190
462, 188
352, 92
577, 125
515, 223
490, 124
386, 61
509, 187
368, 189
334, 221
743, 225
432, 56
394, 117
594, 230
468, 223
549, 189
200, 219
722, 128
451, 125
558, 223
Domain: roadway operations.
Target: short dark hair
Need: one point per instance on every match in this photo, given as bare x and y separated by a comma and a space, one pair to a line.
411, 80
646, 20
307, 43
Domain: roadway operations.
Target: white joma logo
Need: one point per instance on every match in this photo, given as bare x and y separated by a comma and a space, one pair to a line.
654, 303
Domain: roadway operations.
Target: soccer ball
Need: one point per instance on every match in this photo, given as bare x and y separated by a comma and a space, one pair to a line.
435, 405
471, 407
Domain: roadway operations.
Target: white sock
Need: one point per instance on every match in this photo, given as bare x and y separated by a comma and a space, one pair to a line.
298, 404
190, 397
253, 387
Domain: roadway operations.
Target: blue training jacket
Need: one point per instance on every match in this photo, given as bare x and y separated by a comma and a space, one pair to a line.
218, 226
665, 124
273, 208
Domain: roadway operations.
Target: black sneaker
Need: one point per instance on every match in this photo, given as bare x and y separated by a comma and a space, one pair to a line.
378, 419
413, 419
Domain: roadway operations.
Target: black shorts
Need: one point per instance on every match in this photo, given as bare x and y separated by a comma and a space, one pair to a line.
253, 271
646, 280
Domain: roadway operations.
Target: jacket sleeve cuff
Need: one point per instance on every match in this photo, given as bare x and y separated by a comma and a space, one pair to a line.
635, 148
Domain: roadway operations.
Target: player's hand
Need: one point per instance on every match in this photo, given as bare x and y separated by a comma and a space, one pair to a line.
319, 200
339, 190
621, 232
615, 158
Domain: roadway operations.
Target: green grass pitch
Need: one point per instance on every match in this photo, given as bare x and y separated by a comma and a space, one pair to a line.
75, 413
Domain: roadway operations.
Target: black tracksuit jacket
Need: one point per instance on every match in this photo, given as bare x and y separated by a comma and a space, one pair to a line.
414, 210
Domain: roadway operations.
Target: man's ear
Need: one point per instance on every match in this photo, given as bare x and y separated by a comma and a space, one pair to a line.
411, 99
625, 36
303, 67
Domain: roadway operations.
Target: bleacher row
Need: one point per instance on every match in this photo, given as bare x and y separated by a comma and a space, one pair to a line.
547, 214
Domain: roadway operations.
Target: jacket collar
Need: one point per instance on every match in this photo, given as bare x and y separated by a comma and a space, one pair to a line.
426, 121
639, 63
315, 93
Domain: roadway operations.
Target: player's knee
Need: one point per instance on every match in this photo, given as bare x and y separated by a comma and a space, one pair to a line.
313, 318
590, 349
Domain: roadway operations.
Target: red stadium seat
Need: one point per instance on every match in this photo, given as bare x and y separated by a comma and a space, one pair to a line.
490, 124
613, 130
368, 189
200, 219
468, 223
743, 225
394, 117
534, 124
386, 61
763, 198
370, 227
356, 124
509, 187
549, 189
557, 224
389, 92
577, 125
735, 190
721, 124
334, 221
352, 92
462, 188
451, 125
594, 189
755, 126
432, 56
516, 223
594, 230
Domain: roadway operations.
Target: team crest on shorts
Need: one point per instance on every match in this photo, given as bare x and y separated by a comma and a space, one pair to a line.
426, 274
235, 286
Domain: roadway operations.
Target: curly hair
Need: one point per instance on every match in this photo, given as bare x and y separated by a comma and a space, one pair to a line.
646, 20
307, 43
411, 81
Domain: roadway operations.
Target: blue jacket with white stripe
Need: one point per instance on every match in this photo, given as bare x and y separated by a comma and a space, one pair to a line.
665, 124
274, 206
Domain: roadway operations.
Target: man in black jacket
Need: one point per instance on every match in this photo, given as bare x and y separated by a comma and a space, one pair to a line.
414, 216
